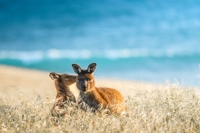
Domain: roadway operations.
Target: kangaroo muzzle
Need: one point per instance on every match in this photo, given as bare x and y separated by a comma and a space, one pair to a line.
83, 87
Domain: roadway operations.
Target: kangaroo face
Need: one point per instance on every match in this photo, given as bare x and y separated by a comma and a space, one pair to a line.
85, 80
66, 79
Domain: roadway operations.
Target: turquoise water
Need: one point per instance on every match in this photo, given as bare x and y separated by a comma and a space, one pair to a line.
143, 40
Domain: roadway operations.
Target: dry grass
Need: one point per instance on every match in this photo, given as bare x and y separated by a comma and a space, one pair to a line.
167, 109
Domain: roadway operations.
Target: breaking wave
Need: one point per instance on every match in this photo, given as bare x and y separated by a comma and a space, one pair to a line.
38, 55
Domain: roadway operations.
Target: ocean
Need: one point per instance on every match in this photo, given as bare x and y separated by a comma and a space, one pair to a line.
150, 41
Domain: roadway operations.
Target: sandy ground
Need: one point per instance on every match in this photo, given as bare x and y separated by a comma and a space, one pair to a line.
14, 81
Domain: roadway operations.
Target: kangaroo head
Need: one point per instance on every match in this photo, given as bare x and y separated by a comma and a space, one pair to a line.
85, 80
66, 79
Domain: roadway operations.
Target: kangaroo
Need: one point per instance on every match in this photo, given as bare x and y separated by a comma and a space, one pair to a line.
62, 83
94, 97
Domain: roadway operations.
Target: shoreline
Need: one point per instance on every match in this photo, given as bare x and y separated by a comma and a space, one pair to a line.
36, 82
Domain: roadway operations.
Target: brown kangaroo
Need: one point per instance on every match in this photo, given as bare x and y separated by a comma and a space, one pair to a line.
97, 97
62, 83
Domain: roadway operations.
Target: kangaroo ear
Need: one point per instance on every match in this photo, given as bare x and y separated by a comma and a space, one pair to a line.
77, 69
91, 68
54, 75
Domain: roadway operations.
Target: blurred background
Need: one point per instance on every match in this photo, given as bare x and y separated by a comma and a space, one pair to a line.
143, 40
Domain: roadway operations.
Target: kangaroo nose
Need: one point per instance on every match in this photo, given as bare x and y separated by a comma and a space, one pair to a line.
83, 87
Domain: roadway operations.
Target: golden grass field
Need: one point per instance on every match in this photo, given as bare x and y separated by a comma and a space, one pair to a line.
27, 96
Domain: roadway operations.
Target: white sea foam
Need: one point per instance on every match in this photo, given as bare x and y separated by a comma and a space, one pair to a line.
30, 56
38, 55
71, 54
